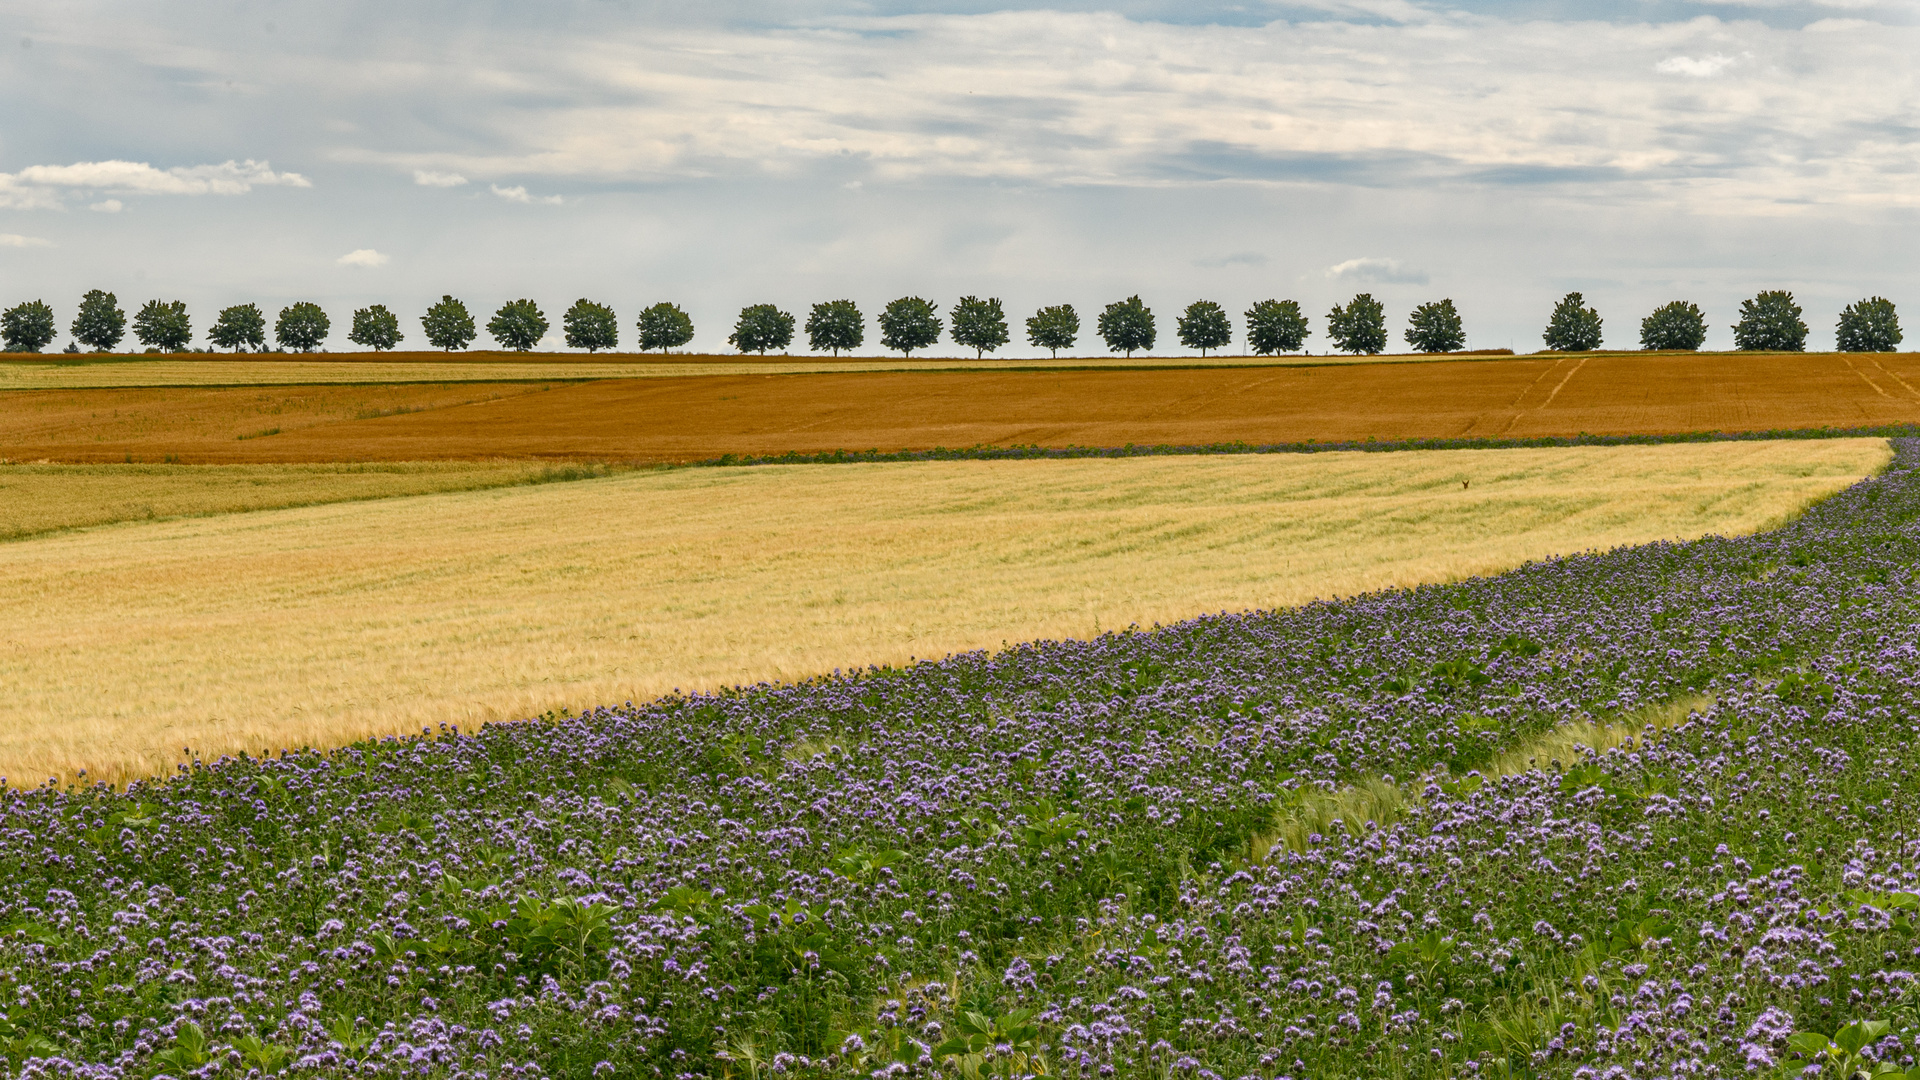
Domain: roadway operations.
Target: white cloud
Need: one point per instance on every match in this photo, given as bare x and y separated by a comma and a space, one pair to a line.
16, 240
107, 206
1377, 271
1698, 67
518, 193
428, 178
45, 186
362, 257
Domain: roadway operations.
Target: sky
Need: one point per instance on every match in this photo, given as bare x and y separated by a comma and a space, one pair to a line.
722, 153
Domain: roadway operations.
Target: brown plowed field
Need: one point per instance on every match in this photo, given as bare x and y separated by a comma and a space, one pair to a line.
695, 417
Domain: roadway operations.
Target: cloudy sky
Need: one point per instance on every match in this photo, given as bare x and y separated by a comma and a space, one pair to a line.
723, 152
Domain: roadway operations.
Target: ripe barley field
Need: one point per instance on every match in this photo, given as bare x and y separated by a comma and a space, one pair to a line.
769, 411
122, 644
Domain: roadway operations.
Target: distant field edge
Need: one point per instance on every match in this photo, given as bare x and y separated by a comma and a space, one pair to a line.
1310, 446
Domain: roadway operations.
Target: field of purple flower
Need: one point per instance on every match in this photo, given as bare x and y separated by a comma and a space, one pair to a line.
1070, 858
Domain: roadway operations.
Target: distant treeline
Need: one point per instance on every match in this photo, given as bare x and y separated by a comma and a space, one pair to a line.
1769, 322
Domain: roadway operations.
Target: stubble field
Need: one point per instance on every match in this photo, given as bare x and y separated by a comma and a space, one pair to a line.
762, 411
315, 626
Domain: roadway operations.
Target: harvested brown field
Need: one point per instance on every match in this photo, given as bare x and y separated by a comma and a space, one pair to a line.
699, 417
254, 631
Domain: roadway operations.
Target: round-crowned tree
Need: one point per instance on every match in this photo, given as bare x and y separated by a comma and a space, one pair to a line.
836, 325
1358, 327
1054, 328
375, 328
99, 324
302, 327
1870, 325
980, 325
518, 325
590, 326
1573, 327
1126, 325
664, 326
761, 327
909, 323
1674, 327
27, 327
1434, 327
163, 326
241, 326
1204, 325
1276, 326
448, 325
1770, 322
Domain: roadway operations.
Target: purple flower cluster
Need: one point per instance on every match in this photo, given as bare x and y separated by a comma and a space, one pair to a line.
1064, 858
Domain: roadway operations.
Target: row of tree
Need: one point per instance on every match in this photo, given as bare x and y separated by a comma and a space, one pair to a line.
1770, 321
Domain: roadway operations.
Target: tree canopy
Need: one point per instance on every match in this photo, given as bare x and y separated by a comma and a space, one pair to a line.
375, 327
1276, 326
99, 324
1674, 326
1126, 325
242, 326
448, 325
1360, 326
1434, 327
27, 327
1054, 328
1204, 325
1870, 325
518, 325
761, 327
980, 325
590, 326
664, 326
836, 325
163, 325
1573, 327
1770, 322
909, 323
301, 327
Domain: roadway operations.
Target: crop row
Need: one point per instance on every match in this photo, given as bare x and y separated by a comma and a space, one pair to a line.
1770, 322
1259, 844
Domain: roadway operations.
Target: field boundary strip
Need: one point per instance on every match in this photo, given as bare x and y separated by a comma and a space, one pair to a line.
1031, 452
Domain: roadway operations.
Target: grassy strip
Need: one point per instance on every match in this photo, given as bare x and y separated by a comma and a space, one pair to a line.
1311, 446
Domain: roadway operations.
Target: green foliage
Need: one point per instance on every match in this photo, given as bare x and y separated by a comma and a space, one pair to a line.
1127, 325
1007, 1045
1434, 327
836, 325
518, 325
909, 323
664, 326
100, 324
980, 325
375, 327
761, 327
448, 325
1573, 327
27, 327
1359, 327
1770, 322
241, 326
1204, 325
1674, 326
1054, 328
301, 327
590, 326
163, 326
1276, 326
1870, 325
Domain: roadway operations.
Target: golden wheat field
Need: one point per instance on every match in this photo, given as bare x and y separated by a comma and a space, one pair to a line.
43, 498
120, 645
